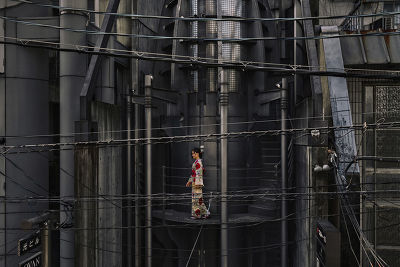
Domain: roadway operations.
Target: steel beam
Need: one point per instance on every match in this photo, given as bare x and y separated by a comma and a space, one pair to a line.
95, 61
312, 55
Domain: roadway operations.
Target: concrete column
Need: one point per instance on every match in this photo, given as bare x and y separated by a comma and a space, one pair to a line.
224, 170
72, 76
147, 84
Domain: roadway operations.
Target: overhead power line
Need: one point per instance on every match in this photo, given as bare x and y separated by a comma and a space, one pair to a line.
193, 61
182, 18
245, 123
191, 138
202, 39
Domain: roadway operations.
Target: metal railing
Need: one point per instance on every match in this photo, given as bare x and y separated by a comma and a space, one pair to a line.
384, 22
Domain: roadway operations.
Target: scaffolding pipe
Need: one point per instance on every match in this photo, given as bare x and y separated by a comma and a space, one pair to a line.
72, 76
284, 105
148, 83
224, 169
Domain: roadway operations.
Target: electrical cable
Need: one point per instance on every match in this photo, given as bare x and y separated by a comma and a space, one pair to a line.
25, 174
182, 18
242, 66
195, 243
195, 39
350, 213
187, 138
74, 134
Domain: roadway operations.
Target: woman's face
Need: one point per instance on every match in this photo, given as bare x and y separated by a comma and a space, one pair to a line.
195, 155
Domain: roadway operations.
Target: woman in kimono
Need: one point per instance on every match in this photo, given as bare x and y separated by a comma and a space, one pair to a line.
199, 209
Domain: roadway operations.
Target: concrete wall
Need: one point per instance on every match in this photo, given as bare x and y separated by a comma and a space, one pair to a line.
109, 183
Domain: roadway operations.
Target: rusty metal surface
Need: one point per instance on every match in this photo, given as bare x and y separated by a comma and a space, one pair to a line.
370, 49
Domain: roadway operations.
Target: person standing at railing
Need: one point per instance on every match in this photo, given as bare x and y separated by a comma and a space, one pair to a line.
199, 209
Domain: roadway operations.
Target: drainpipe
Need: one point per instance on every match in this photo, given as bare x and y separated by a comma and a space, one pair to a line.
137, 174
284, 105
147, 83
129, 176
72, 76
224, 170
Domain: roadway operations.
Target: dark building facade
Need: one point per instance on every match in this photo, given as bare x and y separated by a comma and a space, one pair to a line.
97, 131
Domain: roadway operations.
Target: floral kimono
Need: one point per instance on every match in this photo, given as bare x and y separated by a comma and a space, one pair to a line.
198, 208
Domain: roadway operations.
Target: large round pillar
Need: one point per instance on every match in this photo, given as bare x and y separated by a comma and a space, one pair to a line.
72, 75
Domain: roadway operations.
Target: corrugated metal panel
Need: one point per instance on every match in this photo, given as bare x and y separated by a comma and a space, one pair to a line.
393, 44
353, 51
376, 50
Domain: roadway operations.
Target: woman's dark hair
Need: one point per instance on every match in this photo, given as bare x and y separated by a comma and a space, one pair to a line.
197, 150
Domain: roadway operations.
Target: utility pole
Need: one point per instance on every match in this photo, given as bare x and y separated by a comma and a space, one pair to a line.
147, 99
284, 105
46, 237
224, 98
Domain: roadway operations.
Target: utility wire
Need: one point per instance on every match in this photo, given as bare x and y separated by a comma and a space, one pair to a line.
191, 138
241, 65
182, 18
195, 39
195, 243
245, 123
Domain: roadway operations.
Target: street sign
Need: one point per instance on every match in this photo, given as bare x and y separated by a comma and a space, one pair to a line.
34, 261
27, 244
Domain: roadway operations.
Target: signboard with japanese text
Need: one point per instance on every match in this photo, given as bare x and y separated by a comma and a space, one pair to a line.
34, 261
27, 244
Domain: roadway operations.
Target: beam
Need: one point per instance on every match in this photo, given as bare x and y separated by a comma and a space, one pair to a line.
312, 56
95, 61
340, 104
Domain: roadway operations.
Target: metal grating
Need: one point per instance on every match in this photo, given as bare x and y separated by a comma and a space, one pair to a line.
194, 48
387, 102
382, 210
232, 8
211, 7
